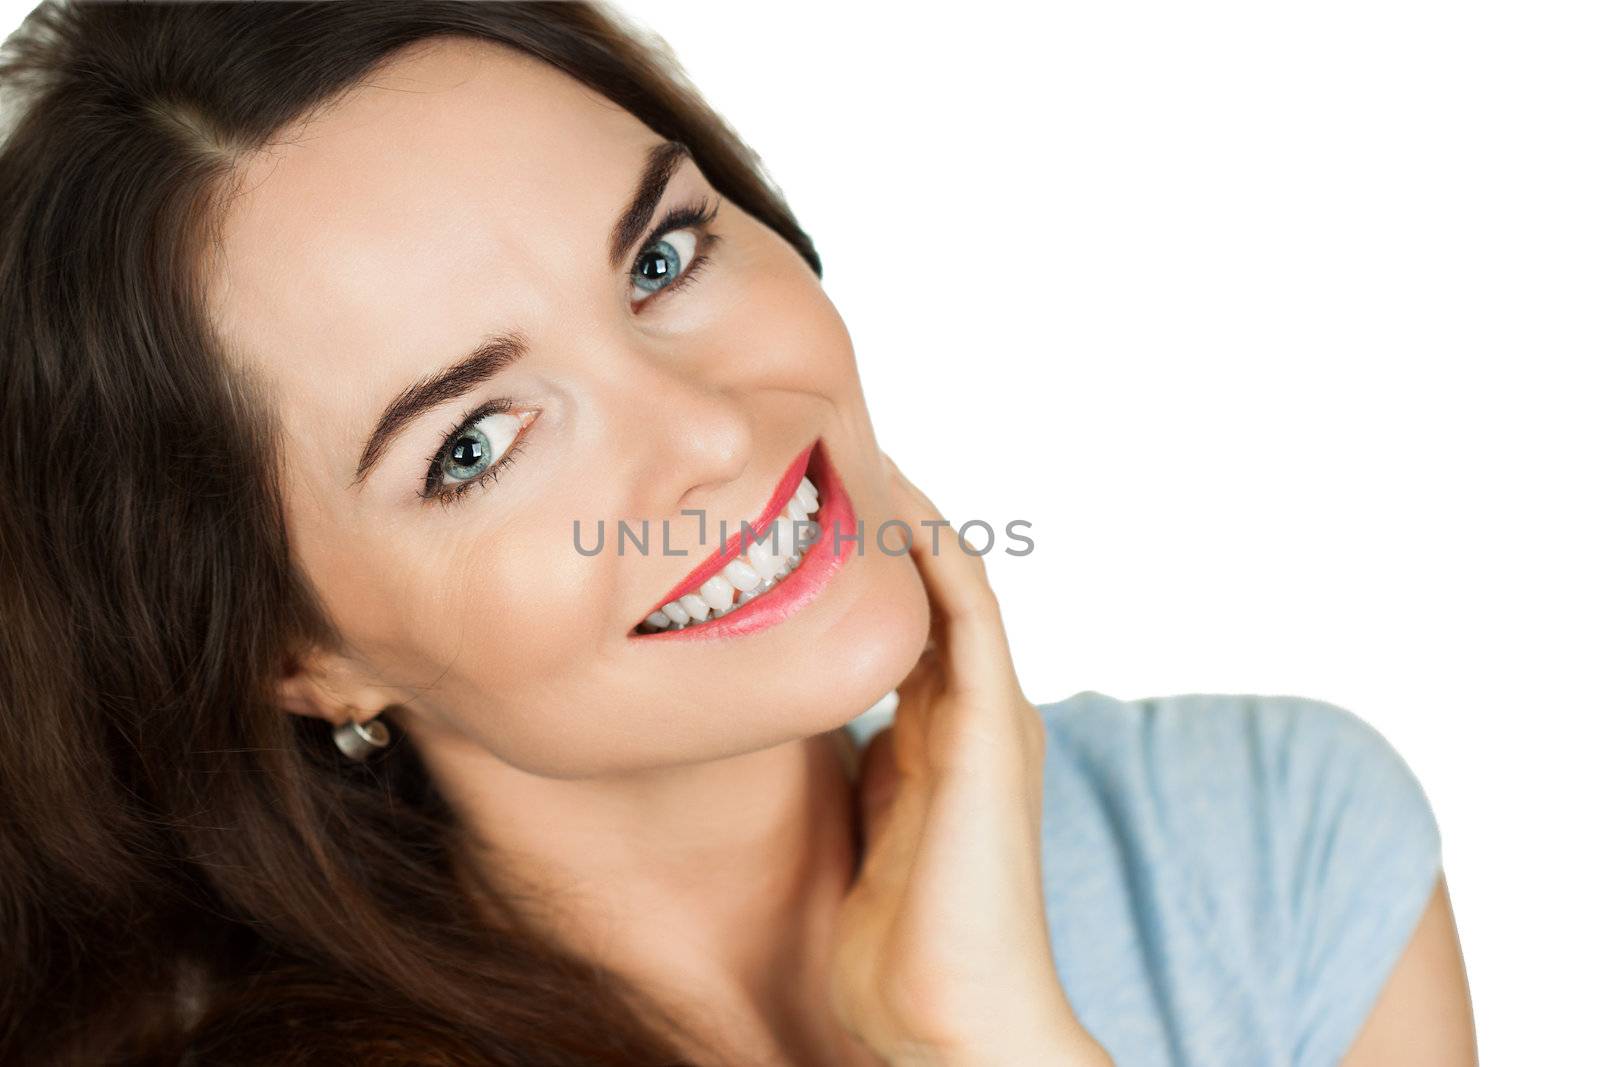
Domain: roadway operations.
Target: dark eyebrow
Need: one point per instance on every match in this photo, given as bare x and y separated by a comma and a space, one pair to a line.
456, 380
500, 351
659, 165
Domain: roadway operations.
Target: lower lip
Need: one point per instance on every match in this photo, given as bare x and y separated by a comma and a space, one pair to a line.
801, 585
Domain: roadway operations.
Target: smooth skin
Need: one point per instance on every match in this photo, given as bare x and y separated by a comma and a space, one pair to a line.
677, 810
1423, 1017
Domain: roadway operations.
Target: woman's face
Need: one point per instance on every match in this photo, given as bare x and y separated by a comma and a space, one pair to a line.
470, 192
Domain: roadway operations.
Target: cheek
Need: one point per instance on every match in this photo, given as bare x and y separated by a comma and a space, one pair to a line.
778, 325
525, 657
526, 608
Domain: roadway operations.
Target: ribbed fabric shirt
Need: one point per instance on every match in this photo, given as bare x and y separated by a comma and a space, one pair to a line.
1229, 879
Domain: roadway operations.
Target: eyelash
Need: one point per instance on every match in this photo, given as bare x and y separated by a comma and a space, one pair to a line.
693, 217
690, 217
430, 491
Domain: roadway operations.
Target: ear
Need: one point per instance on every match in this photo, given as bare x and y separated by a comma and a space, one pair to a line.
323, 685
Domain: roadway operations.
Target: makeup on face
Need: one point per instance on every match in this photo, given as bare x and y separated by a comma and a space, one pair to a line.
762, 575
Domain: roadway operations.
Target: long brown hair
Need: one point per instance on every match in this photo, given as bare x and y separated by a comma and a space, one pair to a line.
189, 873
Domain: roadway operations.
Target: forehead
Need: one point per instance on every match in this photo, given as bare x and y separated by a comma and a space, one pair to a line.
457, 185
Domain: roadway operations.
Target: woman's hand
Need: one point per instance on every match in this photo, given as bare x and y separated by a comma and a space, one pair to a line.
942, 953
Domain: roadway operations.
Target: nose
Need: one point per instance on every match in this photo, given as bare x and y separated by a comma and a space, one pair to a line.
699, 438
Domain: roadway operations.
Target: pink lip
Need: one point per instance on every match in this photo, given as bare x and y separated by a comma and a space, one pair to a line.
735, 543
802, 585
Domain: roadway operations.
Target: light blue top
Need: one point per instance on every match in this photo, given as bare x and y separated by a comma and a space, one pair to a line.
1228, 879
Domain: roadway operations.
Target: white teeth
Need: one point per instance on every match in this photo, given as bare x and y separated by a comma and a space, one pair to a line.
786, 538
718, 592
742, 575
762, 557
766, 562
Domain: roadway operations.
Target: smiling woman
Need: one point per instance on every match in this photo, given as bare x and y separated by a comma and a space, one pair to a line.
348, 759
245, 247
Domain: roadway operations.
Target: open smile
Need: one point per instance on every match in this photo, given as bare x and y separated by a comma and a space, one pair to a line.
761, 576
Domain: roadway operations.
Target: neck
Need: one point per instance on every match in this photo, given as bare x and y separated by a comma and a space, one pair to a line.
719, 878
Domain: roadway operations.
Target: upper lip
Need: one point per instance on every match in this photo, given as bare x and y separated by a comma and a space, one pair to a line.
735, 543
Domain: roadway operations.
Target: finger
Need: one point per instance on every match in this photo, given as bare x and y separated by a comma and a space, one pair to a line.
880, 779
967, 620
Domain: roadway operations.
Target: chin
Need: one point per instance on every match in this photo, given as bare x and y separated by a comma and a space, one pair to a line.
868, 650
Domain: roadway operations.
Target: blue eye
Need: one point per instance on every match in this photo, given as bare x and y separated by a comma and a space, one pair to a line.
676, 251
475, 452
661, 262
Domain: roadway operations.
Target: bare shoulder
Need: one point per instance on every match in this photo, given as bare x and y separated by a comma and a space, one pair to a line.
1423, 1017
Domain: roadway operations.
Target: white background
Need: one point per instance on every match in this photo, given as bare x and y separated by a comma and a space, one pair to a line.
1279, 324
